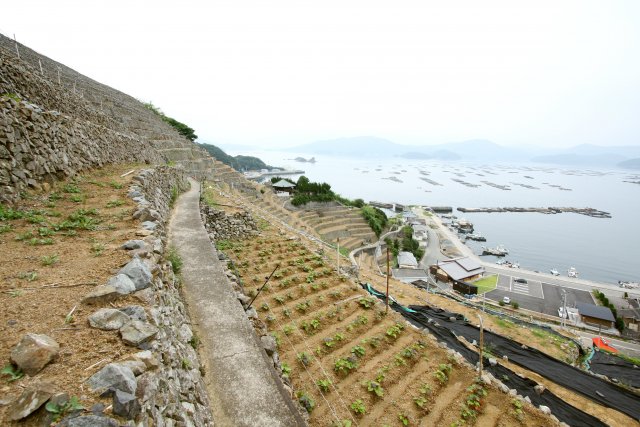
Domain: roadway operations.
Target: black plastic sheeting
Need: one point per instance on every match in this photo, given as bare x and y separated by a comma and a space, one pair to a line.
615, 367
572, 378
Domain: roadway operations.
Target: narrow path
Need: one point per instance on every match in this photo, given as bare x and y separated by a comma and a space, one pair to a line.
241, 381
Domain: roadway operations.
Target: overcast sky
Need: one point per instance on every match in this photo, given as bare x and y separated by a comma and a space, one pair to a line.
283, 73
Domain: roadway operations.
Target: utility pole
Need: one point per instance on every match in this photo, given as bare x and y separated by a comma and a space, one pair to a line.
481, 348
387, 307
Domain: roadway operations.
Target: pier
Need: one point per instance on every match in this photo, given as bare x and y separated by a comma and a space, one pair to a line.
595, 213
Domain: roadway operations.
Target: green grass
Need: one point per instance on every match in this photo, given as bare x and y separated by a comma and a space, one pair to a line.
486, 284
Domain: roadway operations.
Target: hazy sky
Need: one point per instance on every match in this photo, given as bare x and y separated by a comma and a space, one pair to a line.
282, 73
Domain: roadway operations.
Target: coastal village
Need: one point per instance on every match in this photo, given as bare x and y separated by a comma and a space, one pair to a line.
146, 283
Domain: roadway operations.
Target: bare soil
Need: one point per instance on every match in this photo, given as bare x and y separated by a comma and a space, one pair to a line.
44, 280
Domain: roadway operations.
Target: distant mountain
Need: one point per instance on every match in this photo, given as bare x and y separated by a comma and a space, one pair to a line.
436, 155
590, 155
239, 163
373, 147
630, 164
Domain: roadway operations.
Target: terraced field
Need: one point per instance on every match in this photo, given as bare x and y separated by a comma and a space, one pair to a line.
350, 362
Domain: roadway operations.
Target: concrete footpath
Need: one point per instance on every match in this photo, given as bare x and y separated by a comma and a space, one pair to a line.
241, 382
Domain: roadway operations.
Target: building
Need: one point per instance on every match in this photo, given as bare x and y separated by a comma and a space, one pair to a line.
595, 315
283, 186
410, 275
458, 269
408, 216
407, 260
421, 234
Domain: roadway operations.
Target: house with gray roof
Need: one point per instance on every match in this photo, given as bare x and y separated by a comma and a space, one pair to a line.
458, 269
407, 260
596, 315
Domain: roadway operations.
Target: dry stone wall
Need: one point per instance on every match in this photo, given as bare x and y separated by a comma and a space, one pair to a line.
76, 110
43, 146
223, 226
163, 384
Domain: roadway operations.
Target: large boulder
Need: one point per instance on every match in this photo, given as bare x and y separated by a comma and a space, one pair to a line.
138, 272
34, 352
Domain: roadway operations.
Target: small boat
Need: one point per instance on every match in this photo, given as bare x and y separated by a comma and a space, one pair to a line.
554, 272
476, 236
572, 272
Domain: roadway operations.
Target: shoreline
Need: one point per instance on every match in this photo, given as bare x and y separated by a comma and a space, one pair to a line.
574, 283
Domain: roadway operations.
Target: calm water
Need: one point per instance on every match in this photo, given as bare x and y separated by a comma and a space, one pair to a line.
604, 250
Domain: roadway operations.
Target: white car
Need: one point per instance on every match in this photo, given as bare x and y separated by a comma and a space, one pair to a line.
506, 300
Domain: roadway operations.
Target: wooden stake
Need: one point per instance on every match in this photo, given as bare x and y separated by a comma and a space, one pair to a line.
16, 42
387, 308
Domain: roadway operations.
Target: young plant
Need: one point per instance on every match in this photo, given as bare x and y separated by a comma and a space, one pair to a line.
395, 330
13, 372
286, 370
324, 385
420, 401
375, 387
49, 260
304, 358
367, 302
358, 351
305, 400
358, 407
345, 365
403, 419
59, 411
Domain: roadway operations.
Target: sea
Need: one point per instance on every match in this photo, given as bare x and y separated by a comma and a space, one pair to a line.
600, 249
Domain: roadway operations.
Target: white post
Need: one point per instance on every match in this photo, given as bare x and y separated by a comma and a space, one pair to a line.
41, 70
338, 254
59, 75
16, 42
564, 308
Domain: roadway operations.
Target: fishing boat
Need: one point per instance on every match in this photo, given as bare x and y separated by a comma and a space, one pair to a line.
572, 272
497, 251
554, 272
476, 236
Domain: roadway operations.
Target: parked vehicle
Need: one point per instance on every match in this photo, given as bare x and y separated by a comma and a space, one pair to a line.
520, 280
506, 300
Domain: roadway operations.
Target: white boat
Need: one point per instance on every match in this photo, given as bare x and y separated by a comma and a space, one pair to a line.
554, 272
572, 272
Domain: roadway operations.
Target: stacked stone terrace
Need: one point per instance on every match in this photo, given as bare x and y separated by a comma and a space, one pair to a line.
52, 86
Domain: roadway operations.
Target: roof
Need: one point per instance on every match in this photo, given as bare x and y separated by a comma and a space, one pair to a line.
595, 311
409, 214
419, 227
407, 258
461, 268
283, 184
409, 273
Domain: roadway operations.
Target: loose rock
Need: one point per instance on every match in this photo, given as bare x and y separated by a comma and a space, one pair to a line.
30, 400
122, 283
136, 332
125, 405
138, 272
135, 312
133, 244
34, 352
113, 376
108, 319
101, 294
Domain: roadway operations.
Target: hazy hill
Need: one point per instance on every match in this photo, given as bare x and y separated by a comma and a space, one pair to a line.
630, 164
239, 163
373, 147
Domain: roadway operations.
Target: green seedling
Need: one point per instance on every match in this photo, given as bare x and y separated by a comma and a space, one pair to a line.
13, 372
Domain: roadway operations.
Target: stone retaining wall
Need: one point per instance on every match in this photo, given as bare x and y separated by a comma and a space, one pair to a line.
223, 226
170, 391
43, 146
175, 393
